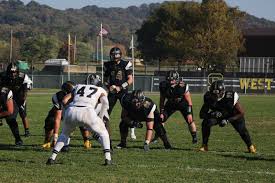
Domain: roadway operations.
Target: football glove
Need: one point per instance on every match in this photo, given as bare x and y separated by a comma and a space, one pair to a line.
223, 122
216, 114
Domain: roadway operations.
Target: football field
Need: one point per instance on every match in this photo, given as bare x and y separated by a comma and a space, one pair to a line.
226, 161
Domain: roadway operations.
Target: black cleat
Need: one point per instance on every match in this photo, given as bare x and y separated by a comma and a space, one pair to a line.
19, 143
195, 140
65, 148
27, 133
108, 162
50, 161
167, 146
121, 146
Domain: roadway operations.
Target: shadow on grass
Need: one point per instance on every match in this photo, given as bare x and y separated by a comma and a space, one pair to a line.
249, 158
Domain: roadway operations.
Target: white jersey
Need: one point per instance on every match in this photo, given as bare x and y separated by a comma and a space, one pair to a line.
87, 95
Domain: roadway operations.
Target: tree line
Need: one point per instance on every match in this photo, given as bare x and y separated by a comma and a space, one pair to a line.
174, 30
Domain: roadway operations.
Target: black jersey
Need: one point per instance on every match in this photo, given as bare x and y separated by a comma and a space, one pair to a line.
116, 74
5, 95
224, 105
18, 85
173, 93
142, 113
57, 102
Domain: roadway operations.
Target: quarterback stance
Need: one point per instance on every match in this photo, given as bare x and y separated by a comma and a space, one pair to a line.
118, 76
9, 111
138, 108
175, 96
19, 83
221, 107
81, 112
54, 117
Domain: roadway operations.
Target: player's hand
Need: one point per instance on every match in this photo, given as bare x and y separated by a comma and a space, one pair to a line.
189, 118
112, 89
223, 123
118, 89
161, 117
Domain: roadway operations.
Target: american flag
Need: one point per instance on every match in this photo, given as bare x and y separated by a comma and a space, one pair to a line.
103, 32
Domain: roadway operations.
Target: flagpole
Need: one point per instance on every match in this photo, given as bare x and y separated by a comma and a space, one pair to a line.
133, 60
69, 55
101, 41
97, 48
11, 45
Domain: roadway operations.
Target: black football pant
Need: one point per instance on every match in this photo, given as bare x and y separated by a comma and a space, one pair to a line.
113, 97
238, 125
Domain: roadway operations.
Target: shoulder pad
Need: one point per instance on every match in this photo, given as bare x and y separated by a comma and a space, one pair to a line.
148, 103
22, 75
229, 94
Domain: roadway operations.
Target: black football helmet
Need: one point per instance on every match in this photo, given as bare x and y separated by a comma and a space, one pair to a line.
138, 98
115, 54
173, 75
93, 79
67, 87
218, 89
12, 70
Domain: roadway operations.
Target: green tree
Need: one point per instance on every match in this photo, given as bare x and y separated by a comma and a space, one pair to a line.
40, 48
206, 33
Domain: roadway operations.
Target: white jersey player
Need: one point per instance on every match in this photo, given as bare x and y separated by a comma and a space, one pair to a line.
81, 112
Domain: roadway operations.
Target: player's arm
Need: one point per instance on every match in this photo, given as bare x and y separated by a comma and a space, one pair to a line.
204, 112
238, 112
129, 73
150, 124
10, 109
104, 104
57, 121
67, 99
187, 96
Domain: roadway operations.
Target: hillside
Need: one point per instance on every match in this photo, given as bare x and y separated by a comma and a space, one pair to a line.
33, 18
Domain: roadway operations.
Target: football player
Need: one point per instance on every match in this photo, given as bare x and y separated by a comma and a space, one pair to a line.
118, 76
175, 96
81, 112
19, 83
222, 107
137, 108
54, 117
9, 111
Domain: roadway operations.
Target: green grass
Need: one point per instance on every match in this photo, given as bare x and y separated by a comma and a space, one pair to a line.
227, 160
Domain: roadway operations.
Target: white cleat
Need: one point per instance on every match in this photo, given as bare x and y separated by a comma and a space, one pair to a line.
133, 136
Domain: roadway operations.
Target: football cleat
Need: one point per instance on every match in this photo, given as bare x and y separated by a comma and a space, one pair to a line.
47, 145
167, 146
19, 143
108, 162
195, 140
121, 146
204, 148
252, 149
27, 133
87, 144
50, 161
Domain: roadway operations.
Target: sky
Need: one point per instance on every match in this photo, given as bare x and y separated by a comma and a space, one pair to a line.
259, 8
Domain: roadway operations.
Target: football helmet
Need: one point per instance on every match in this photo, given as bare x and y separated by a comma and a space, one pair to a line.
217, 88
173, 75
115, 54
138, 98
12, 70
67, 87
93, 79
